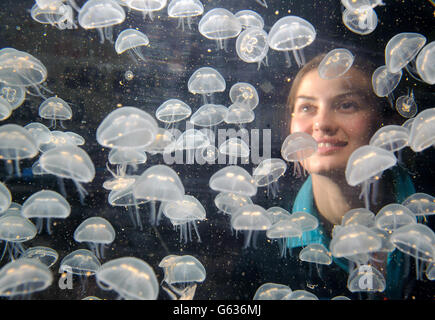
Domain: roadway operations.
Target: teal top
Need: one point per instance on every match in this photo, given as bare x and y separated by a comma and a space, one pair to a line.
402, 186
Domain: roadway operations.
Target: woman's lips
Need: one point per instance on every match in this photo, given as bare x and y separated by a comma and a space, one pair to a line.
328, 147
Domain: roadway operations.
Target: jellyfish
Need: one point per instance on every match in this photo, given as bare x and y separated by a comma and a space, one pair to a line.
344, 298
245, 94
355, 4
209, 115
291, 33
367, 163
425, 63
422, 134
297, 147
384, 82
406, 105
55, 108
172, 111
19, 68
191, 140
393, 216
206, 81
185, 9
131, 278
123, 158
101, 15
40, 133
421, 204
262, 3
267, 174
69, 162
75, 138
97, 232
163, 143
281, 230
250, 219
306, 222
316, 253
234, 148
233, 179
229, 202
252, 46
47, 256
208, 153
300, 295
239, 114
127, 127
392, 138
80, 262
147, 7
23, 277
16, 143
5, 197
59, 139
14, 230
249, 19
185, 214
272, 291
182, 274
335, 64
219, 24
14, 95
5, 109
430, 271
56, 14
362, 20
361, 216
158, 183
277, 213
132, 41
366, 279
45, 204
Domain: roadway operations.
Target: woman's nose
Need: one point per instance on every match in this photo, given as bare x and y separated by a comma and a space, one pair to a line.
325, 122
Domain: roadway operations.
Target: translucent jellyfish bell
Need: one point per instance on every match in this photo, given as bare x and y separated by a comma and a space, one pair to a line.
55, 108
267, 174
147, 7
421, 204
45, 255
205, 81
283, 229
291, 33
80, 262
361, 216
45, 204
234, 148
40, 132
185, 9
239, 114
173, 110
191, 140
391, 138
132, 41
271, 291
233, 179
365, 163
125, 157
127, 127
252, 46
425, 63
101, 15
229, 202
316, 253
245, 94
219, 24
366, 279
362, 20
97, 232
164, 142
393, 216
402, 49
131, 278
301, 295
14, 95
422, 134
209, 115
277, 213
56, 13
384, 82
249, 19
335, 64
5, 197
355, 4
24, 276
5, 109
297, 147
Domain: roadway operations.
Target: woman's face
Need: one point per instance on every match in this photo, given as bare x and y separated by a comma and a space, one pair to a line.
338, 114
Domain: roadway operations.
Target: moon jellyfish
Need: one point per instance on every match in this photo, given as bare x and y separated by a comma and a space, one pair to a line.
55, 108
355, 4
209, 115
234, 148
360, 216
208, 153
131, 278
97, 232
80, 262
16, 143
233, 179
59, 139
185, 9
185, 214
272, 291
239, 114
393, 216
206, 81
147, 7
362, 20
301, 295
173, 110
402, 49
406, 105
5, 109
384, 82
422, 134
267, 174
366, 278
14, 95
316, 253
354, 239
132, 41
420, 204
425, 62
5, 197
47, 256
158, 183
219, 24
297, 147
69, 162
242, 93
127, 157
23, 277
252, 46
391, 138
277, 213
45, 204
101, 15
282, 230
367, 163
40, 133
291, 33
163, 143
249, 19
335, 64
191, 140
56, 14
127, 127
14, 230
229, 202
250, 219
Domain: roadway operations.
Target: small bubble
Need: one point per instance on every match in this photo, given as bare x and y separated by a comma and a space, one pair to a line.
129, 75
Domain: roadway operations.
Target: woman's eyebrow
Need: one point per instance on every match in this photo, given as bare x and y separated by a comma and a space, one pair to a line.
351, 93
306, 98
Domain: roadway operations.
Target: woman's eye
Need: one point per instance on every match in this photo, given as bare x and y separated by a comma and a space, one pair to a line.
348, 106
305, 108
